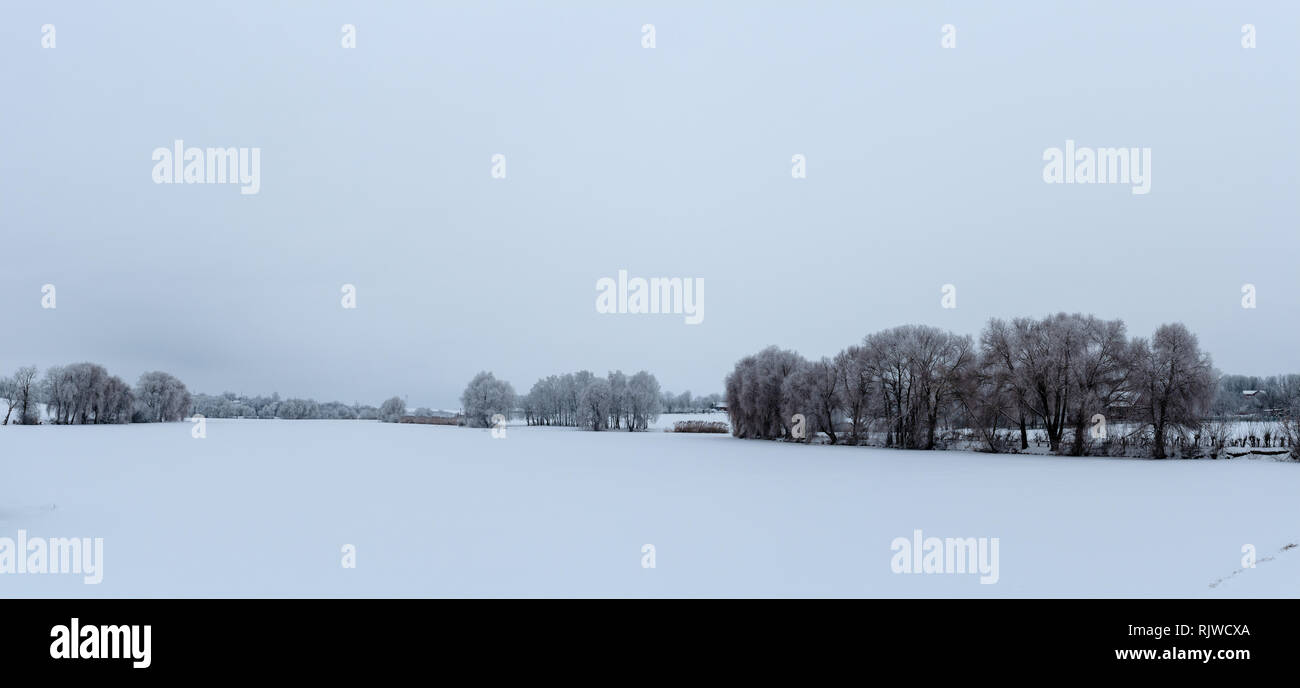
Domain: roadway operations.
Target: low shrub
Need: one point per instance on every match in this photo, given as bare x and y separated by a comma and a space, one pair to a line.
701, 426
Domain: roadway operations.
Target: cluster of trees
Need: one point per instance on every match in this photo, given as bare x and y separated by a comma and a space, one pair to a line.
685, 403
912, 382
1271, 397
85, 393
582, 399
231, 405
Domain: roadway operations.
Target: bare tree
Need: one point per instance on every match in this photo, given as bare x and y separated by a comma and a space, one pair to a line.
918, 371
1099, 374
988, 400
1173, 382
999, 346
813, 390
857, 385
1040, 355
10, 398
24, 393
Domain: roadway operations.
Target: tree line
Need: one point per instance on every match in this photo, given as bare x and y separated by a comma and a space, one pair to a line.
582, 399
1269, 397
86, 394
685, 403
231, 405
614, 402
921, 387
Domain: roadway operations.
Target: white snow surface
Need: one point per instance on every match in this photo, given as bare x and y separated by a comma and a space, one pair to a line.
263, 507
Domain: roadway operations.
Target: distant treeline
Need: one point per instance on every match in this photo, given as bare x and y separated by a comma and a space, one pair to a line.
85, 394
910, 384
231, 405
616, 401
685, 403
1264, 398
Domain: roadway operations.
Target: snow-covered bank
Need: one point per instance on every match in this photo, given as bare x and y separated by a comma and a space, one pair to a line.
262, 508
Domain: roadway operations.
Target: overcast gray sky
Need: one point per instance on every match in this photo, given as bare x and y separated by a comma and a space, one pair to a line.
924, 168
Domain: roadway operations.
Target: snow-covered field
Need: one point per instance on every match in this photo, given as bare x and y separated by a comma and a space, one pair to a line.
263, 508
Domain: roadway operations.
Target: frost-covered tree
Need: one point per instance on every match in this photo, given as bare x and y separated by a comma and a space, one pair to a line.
595, 405
539, 404
1099, 374
857, 388
85, 393
987, 401
619, 401
7, 394
486, 396
53, 392
739, 388
85, 379
1041, 352
1173, 382
813, 391
574, 384
1282, 392
299, 409
643, 401
160, 398
546, 399
557, 400
392, 410
114, 401
1000, 349
336, 410
64, 390
918, 369
24, 392
1061, 370
754, 390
